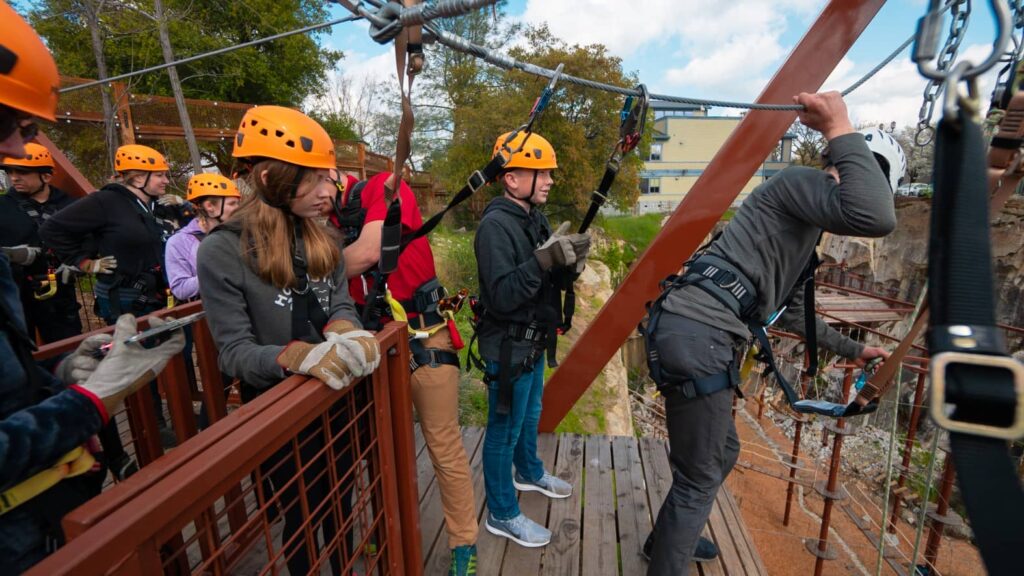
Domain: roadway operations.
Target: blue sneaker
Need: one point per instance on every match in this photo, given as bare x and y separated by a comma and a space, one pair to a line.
548, 485
463, 561
520, 530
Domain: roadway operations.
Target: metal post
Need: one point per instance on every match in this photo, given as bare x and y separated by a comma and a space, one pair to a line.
810, 63
939, 518
908, 448
821, 549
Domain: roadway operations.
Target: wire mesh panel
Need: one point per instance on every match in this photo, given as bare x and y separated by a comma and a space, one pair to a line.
301, 480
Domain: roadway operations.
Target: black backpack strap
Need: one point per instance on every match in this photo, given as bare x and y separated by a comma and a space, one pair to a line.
306, 310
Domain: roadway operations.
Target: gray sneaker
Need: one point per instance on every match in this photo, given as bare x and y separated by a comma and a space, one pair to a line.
548, 485
520, 530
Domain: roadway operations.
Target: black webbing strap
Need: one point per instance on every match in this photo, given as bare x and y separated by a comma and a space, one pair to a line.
23, 347
810, 323
973, 379
420, 356
306, 310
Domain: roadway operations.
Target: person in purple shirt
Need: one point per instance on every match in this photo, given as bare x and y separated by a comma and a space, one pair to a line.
215, 198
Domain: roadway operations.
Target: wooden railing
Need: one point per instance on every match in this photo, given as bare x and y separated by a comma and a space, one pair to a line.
340, 462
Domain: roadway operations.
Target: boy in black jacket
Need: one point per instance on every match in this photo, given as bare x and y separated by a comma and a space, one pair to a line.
516, 253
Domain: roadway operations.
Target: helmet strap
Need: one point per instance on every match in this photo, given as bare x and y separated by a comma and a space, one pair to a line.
146, 183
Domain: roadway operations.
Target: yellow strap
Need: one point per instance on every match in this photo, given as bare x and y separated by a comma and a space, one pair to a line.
48, 288
398, 313
75, 462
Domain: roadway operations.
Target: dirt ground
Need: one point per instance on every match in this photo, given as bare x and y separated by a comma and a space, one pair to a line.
762, 499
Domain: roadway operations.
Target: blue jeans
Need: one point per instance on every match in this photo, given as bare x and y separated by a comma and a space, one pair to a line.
512, 439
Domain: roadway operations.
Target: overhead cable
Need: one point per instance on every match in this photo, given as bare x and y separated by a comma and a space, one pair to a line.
217, 52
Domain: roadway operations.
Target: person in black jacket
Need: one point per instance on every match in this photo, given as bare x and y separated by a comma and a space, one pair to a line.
517, 253
128, 237
116, 234
47, 290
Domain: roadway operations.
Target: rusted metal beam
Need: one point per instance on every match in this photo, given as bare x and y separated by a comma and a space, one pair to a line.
813, 59
66, 176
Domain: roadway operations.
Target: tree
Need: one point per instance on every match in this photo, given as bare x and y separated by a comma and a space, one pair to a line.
284, 72
808, 145
581, 123
919, 158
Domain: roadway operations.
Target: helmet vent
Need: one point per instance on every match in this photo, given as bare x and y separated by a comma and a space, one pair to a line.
278, 133
290, 143
238, 138
307, 144
7, 60
264, 132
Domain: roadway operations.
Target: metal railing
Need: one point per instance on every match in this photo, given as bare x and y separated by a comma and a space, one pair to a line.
302, 477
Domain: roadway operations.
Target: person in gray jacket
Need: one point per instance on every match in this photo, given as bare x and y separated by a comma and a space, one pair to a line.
272, 280
770, 242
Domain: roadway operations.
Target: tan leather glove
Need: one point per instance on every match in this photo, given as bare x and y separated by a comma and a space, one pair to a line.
128, 366
556, 251
581, 247
361, 344
23, 254
101, 265
170, 200
326, 361
82, 362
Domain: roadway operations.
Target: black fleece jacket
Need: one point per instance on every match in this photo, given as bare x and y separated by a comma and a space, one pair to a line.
511, 280
121, 225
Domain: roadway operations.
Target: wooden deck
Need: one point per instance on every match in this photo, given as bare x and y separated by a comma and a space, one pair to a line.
600, 529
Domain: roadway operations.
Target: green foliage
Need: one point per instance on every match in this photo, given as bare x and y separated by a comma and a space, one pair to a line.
582, 124
338, 125
283, 72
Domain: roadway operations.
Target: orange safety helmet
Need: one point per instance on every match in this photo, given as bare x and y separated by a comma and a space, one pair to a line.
139, 157
28, 75
284, 134
534, 152
37, 159
202, 185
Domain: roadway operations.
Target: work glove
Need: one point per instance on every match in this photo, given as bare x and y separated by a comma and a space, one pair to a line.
101, 265
361, 344
170, 200
83, 361
22, 254
128, 366
581, 246
557, 250
67, 273
328, 361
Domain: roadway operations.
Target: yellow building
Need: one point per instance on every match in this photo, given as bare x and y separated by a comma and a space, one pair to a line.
684, 142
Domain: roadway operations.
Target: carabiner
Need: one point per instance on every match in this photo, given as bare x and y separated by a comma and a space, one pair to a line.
545, 97
927, 40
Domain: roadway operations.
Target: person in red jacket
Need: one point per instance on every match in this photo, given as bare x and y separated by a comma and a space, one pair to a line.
359, 213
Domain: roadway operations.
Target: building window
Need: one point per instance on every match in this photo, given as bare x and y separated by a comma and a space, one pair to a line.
654, 186
655, 152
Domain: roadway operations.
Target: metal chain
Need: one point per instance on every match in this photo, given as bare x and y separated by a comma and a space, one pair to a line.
961, 10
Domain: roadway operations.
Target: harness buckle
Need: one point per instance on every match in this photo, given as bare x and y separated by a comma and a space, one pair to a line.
946, 409
476, 180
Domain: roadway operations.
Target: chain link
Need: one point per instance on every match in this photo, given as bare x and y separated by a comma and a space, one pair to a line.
961, 12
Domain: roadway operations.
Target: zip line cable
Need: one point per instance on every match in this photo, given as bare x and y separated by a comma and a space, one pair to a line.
217, 52
424, 14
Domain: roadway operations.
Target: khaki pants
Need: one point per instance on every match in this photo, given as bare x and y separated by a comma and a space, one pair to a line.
435, 394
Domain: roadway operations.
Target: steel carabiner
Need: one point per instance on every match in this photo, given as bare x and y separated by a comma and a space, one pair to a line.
927, 39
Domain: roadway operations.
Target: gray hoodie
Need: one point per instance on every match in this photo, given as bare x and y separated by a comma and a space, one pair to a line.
775, 230
251, 320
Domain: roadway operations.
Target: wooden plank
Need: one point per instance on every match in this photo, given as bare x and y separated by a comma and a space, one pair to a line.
745, 544
519, 559
657, 472
432, 533
728, 561
599, 539
562, 556
490, 548
634, 514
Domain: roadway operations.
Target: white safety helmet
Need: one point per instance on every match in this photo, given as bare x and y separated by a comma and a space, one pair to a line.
884, 146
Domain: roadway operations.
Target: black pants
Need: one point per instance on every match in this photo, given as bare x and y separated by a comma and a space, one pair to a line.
703, 444
56, 318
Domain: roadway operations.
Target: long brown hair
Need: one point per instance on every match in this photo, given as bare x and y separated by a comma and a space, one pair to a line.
267, 231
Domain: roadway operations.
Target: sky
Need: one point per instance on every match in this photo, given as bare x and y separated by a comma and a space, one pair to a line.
718, 49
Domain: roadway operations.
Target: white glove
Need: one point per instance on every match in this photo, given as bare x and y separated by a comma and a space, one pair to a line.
359, 347
22, 254
128, 366
67, 273
82, 363
101, 265
170, 200
581, 245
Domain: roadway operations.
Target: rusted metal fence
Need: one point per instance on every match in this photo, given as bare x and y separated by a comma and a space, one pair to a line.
303, 477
